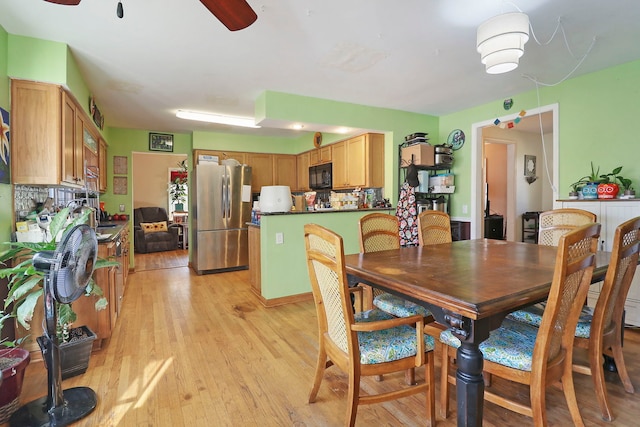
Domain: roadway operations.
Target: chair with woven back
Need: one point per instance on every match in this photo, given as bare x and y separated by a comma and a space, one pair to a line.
557, 222
537, 357
434, 227
380, 232
370, 343
599, 331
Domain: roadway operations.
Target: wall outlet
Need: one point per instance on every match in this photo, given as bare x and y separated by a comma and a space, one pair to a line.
121, 208
279, 238
465, 209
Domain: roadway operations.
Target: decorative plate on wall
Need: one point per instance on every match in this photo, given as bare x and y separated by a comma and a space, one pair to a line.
456, 139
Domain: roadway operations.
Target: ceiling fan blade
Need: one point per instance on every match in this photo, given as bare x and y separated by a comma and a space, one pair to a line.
234, 14
65, 2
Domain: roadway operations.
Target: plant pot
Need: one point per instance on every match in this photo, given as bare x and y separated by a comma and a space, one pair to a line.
74, 354
179, 206
608, 191
590, 191
12, 377
573, 195
630, 194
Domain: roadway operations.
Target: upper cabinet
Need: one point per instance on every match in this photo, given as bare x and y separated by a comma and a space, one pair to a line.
321, 155
302, 166
49, 133
102, 165
359, 162
284, 170
261, 170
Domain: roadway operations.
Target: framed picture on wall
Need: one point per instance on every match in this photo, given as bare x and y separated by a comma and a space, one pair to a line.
160, 142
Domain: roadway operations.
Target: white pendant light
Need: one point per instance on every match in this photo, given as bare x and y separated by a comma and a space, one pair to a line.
501, 40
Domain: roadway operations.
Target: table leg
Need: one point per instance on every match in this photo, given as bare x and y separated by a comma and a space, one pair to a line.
469, 385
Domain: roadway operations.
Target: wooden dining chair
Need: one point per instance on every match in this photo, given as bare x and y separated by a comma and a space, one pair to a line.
557, 222
537, 357
600, 332
434, 227
367, 344
380, 232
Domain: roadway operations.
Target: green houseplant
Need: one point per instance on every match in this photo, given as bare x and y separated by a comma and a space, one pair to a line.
25, 288
178, 187
26, 282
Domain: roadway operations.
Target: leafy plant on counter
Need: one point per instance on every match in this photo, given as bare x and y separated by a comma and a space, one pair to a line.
26, 282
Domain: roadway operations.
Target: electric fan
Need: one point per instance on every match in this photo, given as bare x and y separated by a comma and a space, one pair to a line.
67, 271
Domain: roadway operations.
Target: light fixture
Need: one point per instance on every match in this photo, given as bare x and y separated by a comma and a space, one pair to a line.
501, 40
217, 118
297, 126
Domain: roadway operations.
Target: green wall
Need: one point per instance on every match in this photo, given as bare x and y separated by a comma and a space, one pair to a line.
595, 114
284, 266
6, 195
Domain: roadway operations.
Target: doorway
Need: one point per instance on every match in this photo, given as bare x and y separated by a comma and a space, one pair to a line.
151, 173
536, 136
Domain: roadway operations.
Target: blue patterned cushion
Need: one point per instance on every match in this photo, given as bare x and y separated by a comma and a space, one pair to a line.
389, 344
399, 307
509, 345
533, 316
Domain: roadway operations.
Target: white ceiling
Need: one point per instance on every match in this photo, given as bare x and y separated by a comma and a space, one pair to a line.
411, 55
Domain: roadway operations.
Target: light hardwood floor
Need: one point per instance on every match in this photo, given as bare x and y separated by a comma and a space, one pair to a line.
193, 350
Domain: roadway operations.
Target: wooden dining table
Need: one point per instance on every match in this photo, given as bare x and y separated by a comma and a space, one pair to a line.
469, 286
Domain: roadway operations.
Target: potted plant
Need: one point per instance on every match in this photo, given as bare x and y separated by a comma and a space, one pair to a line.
575, 189
608, 188
26, 282
13, 363
590, 183
178, 187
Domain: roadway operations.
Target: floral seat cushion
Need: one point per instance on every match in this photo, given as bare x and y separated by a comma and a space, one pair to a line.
399, 307
510, 345
387, 345
533, 316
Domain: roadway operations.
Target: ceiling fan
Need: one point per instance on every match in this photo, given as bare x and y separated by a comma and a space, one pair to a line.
234, 14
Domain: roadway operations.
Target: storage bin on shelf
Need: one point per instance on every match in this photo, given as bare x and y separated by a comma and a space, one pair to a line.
418, 154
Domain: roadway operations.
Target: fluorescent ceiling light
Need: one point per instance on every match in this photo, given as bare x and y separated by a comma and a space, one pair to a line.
217, 118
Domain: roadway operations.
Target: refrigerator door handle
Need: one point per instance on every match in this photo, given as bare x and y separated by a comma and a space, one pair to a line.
223, 190
228, 204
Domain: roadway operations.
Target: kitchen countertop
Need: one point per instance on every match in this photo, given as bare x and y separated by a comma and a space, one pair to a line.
107, 231
326, 210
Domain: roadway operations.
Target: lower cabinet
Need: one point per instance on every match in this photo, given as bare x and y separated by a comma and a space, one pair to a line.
610, 214
254, 260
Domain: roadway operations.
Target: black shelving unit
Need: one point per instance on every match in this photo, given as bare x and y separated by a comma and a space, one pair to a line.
433, 170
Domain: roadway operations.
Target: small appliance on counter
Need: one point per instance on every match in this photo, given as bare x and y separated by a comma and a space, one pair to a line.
275, 199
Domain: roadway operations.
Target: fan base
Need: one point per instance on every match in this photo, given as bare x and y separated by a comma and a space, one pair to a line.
78, 403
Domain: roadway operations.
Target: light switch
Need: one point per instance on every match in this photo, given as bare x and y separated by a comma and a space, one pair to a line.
279, 238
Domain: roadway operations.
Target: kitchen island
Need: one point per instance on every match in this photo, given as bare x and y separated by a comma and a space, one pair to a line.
277, 259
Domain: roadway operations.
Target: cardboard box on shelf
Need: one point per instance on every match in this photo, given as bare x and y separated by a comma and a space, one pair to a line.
418, 154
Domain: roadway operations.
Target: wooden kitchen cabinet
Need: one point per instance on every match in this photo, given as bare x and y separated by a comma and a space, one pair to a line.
102, 166
359, 162
255, 266
302, 168
47, 147
284, 170
261, 170
321, 155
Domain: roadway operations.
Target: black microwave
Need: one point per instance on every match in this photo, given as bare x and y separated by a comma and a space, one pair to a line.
320, 177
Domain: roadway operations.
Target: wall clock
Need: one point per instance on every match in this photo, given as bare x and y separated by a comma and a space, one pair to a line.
317, 139
456, 139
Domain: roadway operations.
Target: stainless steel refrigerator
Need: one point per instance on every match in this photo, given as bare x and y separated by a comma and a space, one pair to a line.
220, 212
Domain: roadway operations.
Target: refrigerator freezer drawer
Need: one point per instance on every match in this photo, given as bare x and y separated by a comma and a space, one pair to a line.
221, 250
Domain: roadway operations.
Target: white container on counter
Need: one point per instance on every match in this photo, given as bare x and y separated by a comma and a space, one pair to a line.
275, 199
